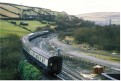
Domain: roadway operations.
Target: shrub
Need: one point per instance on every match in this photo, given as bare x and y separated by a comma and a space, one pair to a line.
28, 71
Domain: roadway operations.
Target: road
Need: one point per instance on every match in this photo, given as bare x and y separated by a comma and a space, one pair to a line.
73, 51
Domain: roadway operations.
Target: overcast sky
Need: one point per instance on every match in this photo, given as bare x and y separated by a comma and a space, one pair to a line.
72, 7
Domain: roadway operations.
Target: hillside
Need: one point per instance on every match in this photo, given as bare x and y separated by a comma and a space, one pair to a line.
20, 11
102, 18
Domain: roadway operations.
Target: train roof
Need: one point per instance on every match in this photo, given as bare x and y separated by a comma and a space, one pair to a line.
34, 48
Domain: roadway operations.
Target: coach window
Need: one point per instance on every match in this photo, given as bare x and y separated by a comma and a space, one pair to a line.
37, 56
43, 60
40, 58
33, 53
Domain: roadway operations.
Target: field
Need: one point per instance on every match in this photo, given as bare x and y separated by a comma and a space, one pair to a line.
108, 57
7, 13
22, 7
10, 47
32, 24
10, 8
101, 54
8, 28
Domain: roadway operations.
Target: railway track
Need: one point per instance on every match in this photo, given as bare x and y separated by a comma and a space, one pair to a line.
46, 45
65, 74
68, 75
48, 77
71, 74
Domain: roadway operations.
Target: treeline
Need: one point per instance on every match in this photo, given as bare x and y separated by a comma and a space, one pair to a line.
101, 37
68, 23
104, 38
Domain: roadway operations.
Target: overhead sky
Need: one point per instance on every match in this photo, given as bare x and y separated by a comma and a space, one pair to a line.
72, 7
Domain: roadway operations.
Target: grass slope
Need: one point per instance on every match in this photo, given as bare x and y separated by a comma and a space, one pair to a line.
32, 24
7, 13
10, 8
8, 28
10, 47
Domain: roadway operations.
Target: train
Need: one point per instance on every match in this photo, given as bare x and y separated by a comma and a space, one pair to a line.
51, 64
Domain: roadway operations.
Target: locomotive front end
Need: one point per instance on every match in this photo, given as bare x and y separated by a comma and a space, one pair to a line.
55, 65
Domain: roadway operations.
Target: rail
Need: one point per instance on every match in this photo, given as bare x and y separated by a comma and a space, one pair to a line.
69, 75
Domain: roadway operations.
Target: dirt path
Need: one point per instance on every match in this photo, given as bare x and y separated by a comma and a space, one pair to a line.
70, 50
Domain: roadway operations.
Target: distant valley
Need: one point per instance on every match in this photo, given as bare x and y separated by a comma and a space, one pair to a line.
102, 18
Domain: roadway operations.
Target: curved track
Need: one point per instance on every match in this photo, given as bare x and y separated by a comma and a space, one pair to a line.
49, 45
44, 44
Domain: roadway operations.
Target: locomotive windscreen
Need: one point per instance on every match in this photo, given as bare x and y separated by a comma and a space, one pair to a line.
55, 64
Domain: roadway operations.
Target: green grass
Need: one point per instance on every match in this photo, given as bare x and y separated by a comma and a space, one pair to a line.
10, 47
8, 28
109, 58
101, 55
32, 24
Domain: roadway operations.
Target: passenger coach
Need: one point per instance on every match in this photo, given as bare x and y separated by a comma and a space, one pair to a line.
49, 63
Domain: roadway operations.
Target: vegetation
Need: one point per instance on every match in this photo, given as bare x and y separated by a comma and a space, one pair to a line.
43, 28
105, 57
8, 28
32, 24
69, 27
8, 13
10, 56
100, 37
10, 49
28, 71
108, 37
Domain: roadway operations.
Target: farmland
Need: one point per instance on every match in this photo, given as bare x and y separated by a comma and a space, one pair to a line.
8, 28
7, 13
10, 8
32, 24
10, 48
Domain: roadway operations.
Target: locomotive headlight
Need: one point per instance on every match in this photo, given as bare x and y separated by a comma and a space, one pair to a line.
51, 64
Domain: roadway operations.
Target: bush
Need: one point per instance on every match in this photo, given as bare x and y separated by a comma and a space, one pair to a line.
28, 71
